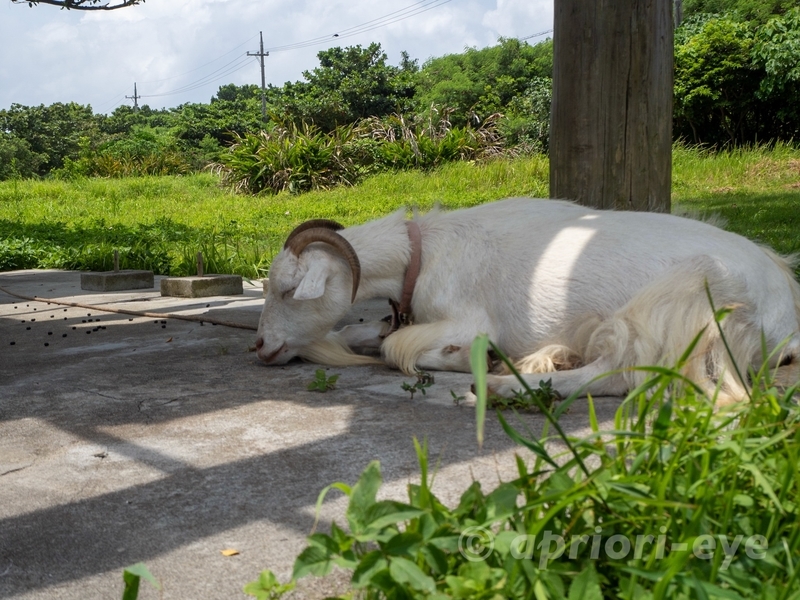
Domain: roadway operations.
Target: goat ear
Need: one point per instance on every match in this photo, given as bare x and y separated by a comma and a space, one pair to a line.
313, 283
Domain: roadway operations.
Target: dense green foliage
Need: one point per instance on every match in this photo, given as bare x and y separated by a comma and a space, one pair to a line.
303, 158
737, 81
676, 501
352, 87
350, 84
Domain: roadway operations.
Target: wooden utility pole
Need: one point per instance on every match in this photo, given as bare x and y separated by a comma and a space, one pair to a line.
261, 54
135, 98
611, 120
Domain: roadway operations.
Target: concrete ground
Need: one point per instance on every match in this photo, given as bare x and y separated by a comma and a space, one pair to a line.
134, 439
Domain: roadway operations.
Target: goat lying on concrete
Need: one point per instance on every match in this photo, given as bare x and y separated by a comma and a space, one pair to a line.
560, 288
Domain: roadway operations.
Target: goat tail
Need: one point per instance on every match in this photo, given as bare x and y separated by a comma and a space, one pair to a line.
333, 351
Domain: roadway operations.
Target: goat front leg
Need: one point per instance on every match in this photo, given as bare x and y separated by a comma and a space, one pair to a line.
364, 335
440, 346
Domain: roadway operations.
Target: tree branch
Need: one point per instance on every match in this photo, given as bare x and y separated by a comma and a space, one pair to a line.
82, 4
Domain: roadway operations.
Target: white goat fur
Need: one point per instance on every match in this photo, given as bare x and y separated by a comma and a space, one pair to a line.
555, 285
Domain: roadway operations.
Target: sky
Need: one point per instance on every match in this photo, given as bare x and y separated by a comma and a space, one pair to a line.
179, 51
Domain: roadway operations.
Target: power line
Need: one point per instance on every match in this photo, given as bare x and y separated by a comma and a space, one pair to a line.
535, 35
388, 19
235, 65
247, 41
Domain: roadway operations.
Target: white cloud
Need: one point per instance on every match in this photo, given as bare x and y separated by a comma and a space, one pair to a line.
48, 55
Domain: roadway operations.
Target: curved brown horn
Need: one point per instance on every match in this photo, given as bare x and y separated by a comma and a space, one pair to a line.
302, 239
313, 223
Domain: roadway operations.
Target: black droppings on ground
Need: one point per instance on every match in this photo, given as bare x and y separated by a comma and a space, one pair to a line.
46, 344
28, 328
49, 333
13, 343
63, 335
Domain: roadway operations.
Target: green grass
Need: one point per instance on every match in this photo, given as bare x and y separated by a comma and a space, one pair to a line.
757, 191
160, 223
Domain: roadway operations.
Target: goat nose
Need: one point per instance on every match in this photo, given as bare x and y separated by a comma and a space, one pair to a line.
259, 343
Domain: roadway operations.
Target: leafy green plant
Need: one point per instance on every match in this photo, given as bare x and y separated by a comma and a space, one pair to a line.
423, 382
323, 383
267, 587
545, 396
678, 500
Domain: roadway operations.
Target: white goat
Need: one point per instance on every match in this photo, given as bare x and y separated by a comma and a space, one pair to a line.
559, 288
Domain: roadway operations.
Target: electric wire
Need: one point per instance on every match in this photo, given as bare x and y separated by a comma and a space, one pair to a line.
235, 65
535, 35
388, 19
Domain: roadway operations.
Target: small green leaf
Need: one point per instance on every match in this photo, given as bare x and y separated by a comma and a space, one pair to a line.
132, 576
362, 497
389, 512
586, 586
312, 561
480, 368
406, 572
371, 564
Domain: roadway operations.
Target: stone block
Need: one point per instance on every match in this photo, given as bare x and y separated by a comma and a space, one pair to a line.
115, 281
202, 287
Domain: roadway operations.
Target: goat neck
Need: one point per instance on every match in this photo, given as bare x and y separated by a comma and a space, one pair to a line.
384, 249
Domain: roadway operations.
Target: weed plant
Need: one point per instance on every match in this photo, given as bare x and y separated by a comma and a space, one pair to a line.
301, 158
677, 501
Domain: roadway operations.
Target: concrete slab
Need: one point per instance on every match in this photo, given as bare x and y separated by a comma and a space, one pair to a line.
165, 441
202, 286
116, 281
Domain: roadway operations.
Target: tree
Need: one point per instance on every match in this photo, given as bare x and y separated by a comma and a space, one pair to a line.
611, 124
82, 4
350, 84
51, 133
482, 82
715, 83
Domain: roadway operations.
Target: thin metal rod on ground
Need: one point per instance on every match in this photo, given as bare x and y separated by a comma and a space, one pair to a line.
135, 313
